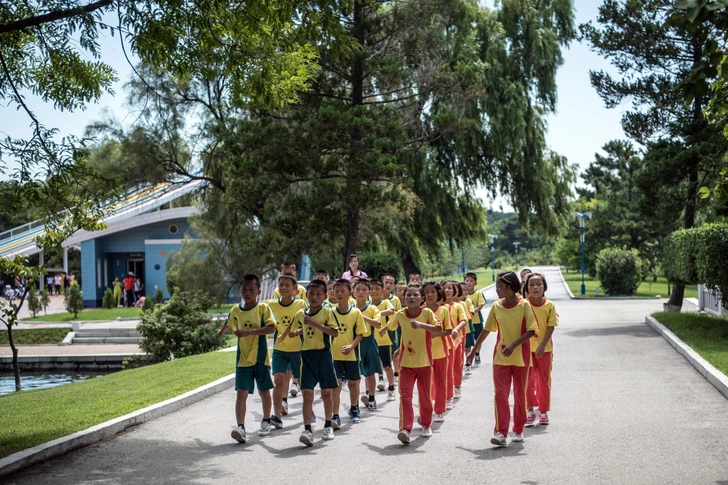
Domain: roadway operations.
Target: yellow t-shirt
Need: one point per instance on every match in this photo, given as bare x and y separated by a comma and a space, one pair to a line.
416, 344
284, 315
477, 299
253, 349
351, 324
440, 345
546, 316
469, 310
330, 304
313, 338
457, 315
301, 293
370, 311
384, 340
395, 302
511, 323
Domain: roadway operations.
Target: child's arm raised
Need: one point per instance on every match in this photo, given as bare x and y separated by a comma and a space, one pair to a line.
311, 322
267, 330
374, 323
346, 349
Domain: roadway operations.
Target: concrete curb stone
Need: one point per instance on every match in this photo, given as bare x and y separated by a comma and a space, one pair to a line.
705, 368
23, 459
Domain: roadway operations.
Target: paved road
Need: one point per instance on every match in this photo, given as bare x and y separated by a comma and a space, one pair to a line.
626, 409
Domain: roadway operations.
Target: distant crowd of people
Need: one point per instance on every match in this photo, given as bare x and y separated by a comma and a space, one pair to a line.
130, 289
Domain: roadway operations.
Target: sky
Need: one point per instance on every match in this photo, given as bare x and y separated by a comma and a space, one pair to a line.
578, 129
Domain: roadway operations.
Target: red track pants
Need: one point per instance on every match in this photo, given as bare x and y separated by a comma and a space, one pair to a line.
539, 382
450, 373
407, 378
459, 363
503, 377
439, 384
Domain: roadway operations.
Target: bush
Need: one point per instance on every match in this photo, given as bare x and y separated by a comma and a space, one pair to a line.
679, 257
159, 296
619, 270
148, 304
34, 305
45, 300
108, 301
179, 328
377, 264
711, 257
74, 300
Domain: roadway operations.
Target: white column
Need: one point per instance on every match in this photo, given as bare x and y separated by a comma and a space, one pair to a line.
65, 260
41, 283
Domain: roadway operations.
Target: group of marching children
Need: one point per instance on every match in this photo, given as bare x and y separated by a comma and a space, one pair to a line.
334, 333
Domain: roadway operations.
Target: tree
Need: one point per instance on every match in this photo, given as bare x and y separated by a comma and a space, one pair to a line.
45, 300
652, 57
34, 305
108, 301
74, 300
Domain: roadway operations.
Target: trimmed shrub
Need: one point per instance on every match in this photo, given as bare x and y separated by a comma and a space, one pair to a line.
179, 328
74, 300
678, 258
45, 300
34, 304
711, 257
619, 270
108, 301
148, 304
159, 296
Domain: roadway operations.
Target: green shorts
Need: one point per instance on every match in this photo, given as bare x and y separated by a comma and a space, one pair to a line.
317, 367
347, 369
469, 340
385, 355
258, 373
369, 363
477, 329
285, 361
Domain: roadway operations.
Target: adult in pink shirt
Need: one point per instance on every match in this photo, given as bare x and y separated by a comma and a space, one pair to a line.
353, 269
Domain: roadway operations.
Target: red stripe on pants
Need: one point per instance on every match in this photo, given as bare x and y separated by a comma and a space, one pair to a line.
407, 378
450, 373
459, 362
439, 381
503, 377
539, 382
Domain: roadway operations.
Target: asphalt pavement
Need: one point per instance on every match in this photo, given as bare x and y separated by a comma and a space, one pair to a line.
626, 409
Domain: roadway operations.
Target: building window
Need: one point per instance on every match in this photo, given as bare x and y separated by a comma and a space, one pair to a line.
173, 229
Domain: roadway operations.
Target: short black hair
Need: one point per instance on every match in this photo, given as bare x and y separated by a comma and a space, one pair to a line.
330, 282
415, 273
376, 281
471, 275
249, 278
438, 288
288, 277
322, 271
387, 275
543, 279
343, 282
363, 281
419, 287
510, 279
316, 284
288, 264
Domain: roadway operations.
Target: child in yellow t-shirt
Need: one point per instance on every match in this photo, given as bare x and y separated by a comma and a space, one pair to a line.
383, 336
251, 322
434, 300
538, 393
290, 269
513, 318
478, 300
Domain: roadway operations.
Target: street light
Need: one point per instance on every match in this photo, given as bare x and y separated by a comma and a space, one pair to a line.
492, 237
516, 245
581, 217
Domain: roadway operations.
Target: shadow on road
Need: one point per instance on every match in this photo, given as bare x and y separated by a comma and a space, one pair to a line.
496, 453
630, 330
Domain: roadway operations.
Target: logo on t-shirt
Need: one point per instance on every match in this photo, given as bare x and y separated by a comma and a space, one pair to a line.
310, 332
344, 328
410, 349
286, 320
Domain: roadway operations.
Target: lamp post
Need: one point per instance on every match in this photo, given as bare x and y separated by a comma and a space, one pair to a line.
581, 217
492, 237
516, 245
463, 261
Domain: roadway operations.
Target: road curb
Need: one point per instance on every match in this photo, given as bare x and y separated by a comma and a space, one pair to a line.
600, 298
61, 446
571, 295
705, 368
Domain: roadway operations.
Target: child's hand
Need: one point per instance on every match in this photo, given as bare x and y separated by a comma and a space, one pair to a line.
415, 324
282, 338
508, 350
241, 333
346, 349
470, 355
383, 331
540, 351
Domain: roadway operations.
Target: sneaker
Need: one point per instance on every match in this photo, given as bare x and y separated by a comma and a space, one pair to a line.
404, 437
498, 439
238, 434
276, 422
336, 422
328, 433
355, 415
396, 380
306, 438
313, 417
391, 396
265, 428
530, 419
426, 432
381, 385
285, 408
343, 382
372, 406
477, 359
450, 404
458, 393
468, 370
365, 400
544, 418
295, 389
517, 437
438, 418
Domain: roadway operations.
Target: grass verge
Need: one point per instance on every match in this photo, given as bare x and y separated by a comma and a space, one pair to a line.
485, 276
707, 335
102, 314
34, 336
646, 288
30, 418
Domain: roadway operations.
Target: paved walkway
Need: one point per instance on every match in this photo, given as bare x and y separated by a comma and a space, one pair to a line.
627, 409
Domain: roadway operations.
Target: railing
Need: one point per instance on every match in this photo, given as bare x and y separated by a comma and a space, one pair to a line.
710, 301
24, 229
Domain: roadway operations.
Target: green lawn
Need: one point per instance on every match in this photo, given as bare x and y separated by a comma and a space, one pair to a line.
707, 335
102, 314
35, 336
29, 418
647, 288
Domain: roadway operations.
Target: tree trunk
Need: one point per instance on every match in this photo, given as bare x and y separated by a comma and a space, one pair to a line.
14, 349
409, 266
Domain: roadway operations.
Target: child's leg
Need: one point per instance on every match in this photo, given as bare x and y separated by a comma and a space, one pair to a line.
279, 392
371, 384
308, 405
459, 361
424, 394
335, 398
395, 360
450, 374
543, 379
354, 390
439, 377
531, 399
407, 378
326, 397
240, 406
520, 381
502, 384
287, 383
467, 351
266, 399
